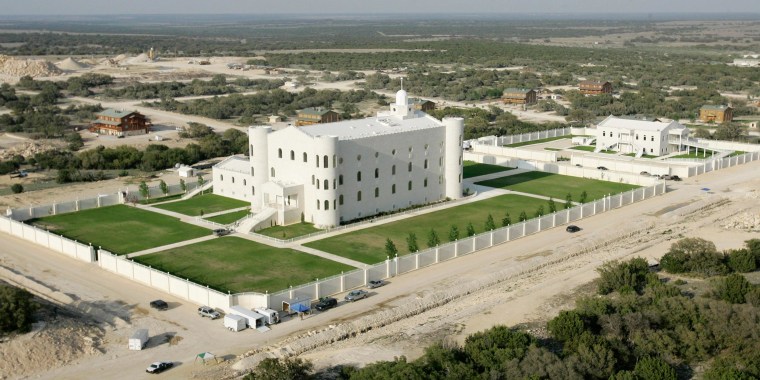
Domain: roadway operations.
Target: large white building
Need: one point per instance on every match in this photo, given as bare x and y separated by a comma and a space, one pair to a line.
338, 172
653, 138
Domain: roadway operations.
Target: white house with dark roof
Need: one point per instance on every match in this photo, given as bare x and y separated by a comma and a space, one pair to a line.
655, 138
337, 172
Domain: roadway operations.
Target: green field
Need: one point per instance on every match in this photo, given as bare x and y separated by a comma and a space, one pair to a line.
474, 169
206, 204
368, 245
229, 217
693, 154
151, 201
557, 186
643, 156
238, 265
541, 141
289, 232
121, 229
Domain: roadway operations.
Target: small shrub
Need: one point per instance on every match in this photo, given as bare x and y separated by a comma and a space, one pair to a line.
17, 188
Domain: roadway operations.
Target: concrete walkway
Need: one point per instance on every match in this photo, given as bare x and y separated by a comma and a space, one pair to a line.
170, 246
330, 256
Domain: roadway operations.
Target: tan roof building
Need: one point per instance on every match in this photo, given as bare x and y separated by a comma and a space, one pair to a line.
519, 96
716, 114
595, 87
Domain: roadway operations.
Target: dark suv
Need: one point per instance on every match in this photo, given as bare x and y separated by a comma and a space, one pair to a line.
326, 303
159, 305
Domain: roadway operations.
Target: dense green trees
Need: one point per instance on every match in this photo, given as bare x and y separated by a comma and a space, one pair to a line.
698, 256
16, 309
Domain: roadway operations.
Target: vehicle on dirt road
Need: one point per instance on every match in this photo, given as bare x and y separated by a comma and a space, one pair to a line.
326, 303
159, 367
375, 284
159, 305
572, 228
205, 311
221, 232
355, 295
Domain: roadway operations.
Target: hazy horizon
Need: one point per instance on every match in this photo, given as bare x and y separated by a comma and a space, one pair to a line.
343, 7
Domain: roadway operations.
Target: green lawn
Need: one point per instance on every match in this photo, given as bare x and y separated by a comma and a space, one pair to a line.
368, 245
239, 265
121, 229
515, 145
553, 149
557, 186
474, 169
229, 217
585, 148
693, 154
643, 156
151, 201
736, 153
206, 204
289, 232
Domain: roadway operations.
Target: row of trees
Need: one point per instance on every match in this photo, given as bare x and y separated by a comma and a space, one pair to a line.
492, 121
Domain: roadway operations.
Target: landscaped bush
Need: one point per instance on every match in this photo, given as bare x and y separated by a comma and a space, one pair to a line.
16, 309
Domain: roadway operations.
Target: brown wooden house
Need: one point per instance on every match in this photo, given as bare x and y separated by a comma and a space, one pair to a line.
595, 87
422, 104
519, 96
309, 116
716, 114
120, 123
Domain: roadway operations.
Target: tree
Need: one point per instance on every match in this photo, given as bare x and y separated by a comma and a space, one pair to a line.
651, 368
506, 220
16, 309
567, 326
17, 188
729, 131
584, 197
164, 187
694, 255
552, 206
741, 260
489, 349
411, 242
580, 116
540, 211
568, 201
523, 216
201, 182
629, 275
490, 225
144, 190
433, 239
182, 185
470, 230
390, 248
733, 288
281, 369
454, 233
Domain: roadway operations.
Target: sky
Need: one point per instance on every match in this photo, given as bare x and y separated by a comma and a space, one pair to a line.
260, 7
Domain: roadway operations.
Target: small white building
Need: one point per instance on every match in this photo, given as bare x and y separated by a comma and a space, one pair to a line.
337, 172
185, 171
654, 138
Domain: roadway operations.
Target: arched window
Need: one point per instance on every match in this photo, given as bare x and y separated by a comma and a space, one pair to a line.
409, 186
317, 184
410, 166
312, 179
327, 184
340, 199
271, 174
393, 189
252, 171
359, 176
318, 204
334, 183
340, 179
393, 170
359, 196
335, 206
233, 179
305, 157
425, 165
377, 192
250, 150
221, 177
377, 173
253, 190
316, 159
327, 204
244, 182
292, 155
279, 152
424, 183
326, 162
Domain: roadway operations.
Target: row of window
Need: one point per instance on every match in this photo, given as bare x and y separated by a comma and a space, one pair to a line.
221, 178
604, 134
325, 160
409, 187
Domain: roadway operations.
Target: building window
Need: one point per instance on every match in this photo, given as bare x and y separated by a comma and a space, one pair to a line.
326, 162
426, 146
424, 183
271, 174
340, 199
409, 186
410, 149
233, 179
251, 171
250, 150
340, 160
393, 170
292, 155
317, 204
359, 196
425, 164
377, 192
305, 157
312, 179
335, 160
317, 184
253, 190
393, 189
652, 138
244, 182
604, 134
279, 153
335, 206
440, 161
327, 204
221, 177
358, 176
335, 182
393, 152
359, 157
327, 184
410, 166
377, 154
340, 179
637, 136
377, 173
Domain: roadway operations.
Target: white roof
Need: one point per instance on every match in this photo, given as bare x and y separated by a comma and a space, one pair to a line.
238, 164
373, 126
638, 125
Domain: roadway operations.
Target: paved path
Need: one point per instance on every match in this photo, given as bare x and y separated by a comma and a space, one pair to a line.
330, 256
170, 246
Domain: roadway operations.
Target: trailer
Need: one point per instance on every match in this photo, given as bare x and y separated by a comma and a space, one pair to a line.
235, 322
138, 340
271, 316
253, 320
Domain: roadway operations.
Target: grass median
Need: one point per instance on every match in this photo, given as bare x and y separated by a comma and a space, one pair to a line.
558, 186
205, 204
474, 169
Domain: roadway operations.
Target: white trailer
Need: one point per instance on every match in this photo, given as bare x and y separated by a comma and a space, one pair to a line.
271, 316
253, 320
138, 340
235, 322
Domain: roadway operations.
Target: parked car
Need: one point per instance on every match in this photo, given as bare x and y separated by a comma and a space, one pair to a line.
159, 367
675, 178
579, 165
666, 176
159, 305
375, 284
572, 228
222, 232
644, 173
326, 303
205, 311
355, 295
601, 168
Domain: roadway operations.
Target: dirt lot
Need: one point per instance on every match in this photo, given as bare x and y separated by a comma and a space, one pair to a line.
531, 298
